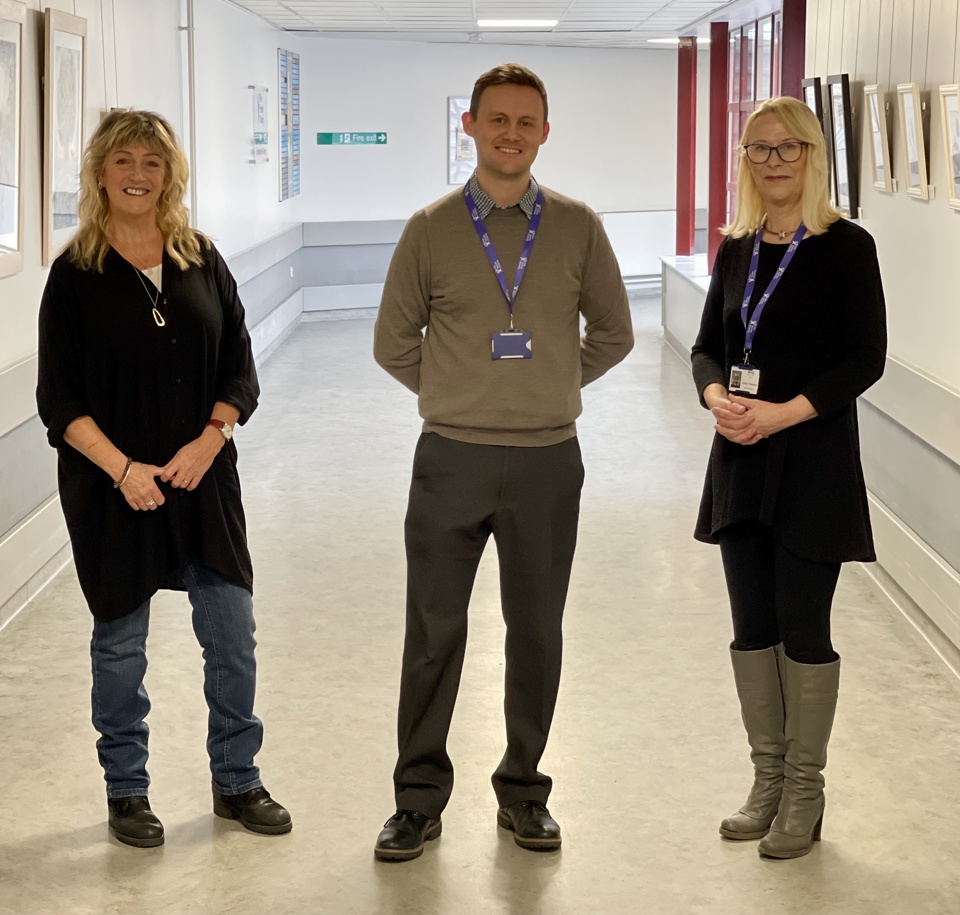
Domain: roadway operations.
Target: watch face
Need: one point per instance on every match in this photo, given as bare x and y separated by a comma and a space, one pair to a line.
227, 431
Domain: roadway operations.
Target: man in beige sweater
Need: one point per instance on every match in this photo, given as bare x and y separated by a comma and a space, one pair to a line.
480, 318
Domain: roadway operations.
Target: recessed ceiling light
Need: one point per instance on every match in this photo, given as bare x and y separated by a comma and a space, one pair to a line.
516, 23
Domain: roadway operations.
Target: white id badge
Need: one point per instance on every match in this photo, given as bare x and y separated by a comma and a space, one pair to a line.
511, 344
744, 379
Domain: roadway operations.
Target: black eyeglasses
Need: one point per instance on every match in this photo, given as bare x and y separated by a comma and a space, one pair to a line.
758, 153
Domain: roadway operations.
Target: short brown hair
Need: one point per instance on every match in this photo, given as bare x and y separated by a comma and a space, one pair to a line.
507, 74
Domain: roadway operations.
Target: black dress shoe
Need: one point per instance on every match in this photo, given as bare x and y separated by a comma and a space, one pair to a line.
255, 809
404, 835
133, 822
531, 824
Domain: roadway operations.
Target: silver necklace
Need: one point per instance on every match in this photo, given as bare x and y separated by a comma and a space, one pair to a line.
158, 318
782, 235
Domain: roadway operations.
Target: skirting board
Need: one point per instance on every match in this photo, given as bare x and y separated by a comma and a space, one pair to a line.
910, 568
28, 550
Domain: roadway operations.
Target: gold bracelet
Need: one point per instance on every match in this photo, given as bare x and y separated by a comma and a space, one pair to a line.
123, 477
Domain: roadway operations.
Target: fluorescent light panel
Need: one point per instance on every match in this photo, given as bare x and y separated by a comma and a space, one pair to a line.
516, 23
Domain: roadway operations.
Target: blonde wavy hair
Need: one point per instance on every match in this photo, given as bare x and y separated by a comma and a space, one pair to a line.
88, 248
802, 124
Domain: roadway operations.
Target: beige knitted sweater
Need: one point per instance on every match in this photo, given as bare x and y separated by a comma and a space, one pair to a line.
441, 303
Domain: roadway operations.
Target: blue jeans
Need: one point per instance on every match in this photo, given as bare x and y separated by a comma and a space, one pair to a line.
224, 625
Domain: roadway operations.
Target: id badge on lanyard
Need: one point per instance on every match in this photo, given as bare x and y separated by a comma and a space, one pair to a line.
745, 378
511, 343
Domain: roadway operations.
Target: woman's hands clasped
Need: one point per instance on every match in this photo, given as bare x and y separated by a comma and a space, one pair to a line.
734, 421
747, 420
187, 467
140, 487
184, 471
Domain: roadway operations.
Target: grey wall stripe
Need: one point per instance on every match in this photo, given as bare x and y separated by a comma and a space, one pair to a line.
916, 482
345, 265
28, 472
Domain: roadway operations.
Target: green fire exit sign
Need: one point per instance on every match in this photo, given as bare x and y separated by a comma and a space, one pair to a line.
376, 138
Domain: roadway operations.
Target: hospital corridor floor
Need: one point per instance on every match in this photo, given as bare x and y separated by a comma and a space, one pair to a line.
647, 751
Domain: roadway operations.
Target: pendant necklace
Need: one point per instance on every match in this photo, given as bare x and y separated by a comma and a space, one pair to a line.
781, 235
158, 318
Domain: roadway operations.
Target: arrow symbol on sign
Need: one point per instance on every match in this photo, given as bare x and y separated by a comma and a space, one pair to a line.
382, 137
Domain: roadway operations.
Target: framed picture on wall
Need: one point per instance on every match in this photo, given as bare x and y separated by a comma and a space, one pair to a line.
12, 19
844, 153
914, 149
461, 150
813, 96
950, 121
879, 138
64, 100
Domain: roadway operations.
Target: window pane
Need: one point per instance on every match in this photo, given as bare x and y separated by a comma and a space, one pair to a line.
764, 59
777, 24
749, 51
733, 141
734, 93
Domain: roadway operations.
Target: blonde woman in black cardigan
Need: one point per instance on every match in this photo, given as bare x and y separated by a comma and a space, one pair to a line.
793, 331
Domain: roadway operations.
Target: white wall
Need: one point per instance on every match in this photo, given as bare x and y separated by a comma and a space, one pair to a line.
20, 294
911, 427
145, 45
238, 203
612, 114
703, 128
889, 43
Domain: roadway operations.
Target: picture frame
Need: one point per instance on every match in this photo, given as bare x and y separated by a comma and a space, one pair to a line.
910, 105
950, 123
812, 93
878, 143
12, 25
64, 104
844, 157
461, 150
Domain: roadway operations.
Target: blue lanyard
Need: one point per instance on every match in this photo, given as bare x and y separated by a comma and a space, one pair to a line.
751, 325
491, 251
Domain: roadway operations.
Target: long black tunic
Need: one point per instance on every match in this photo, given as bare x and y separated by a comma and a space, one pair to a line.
151, 390
822, 334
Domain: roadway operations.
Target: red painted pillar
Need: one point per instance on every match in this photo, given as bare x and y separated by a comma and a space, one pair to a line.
686, 144
717, 194
793, 46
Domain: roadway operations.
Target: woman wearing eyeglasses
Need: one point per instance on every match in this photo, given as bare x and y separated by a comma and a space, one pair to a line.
793, 330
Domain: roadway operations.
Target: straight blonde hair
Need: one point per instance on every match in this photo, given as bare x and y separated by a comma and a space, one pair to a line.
802, 124
88, 248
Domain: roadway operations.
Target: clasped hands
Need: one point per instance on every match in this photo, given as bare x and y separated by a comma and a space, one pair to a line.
746, 420
184, 470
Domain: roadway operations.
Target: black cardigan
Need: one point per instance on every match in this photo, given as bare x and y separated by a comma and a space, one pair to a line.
151, 390
822, 334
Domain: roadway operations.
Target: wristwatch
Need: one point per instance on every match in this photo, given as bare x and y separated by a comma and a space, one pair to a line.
225, 429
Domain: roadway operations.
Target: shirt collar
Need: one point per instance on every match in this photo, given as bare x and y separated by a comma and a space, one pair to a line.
485, 204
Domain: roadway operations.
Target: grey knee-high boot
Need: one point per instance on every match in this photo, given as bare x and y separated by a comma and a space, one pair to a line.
810, 698
757, 676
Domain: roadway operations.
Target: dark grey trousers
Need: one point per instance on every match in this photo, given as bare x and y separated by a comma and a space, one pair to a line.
529, 499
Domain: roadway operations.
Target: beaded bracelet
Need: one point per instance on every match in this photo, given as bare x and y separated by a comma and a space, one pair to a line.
123, 477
